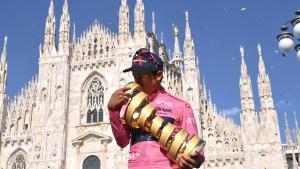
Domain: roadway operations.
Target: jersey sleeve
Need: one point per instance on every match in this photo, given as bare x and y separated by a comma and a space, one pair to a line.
120, 130
188, 122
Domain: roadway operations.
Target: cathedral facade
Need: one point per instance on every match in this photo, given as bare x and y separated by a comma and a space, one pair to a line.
59, 120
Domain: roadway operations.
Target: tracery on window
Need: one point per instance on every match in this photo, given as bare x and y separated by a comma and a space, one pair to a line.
95, 101
19, 162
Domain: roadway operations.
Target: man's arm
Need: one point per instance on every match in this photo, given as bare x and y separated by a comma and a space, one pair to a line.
115, 107
188, 122
120, 131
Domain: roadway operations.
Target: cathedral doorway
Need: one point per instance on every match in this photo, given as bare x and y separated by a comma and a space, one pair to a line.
91, 162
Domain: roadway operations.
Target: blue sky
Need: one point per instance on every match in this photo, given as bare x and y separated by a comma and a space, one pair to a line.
218, 29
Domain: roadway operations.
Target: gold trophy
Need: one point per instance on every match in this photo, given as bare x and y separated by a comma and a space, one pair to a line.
140, 114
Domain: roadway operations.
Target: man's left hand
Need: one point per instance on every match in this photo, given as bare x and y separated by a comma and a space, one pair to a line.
186, 162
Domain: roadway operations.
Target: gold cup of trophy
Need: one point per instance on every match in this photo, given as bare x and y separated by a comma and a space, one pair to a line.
140, 114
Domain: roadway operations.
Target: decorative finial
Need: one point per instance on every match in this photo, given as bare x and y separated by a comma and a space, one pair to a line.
74, 33
175, 30
153, 23
5, 41
259, 49
186, 15
40, 49
285, 115
51, 8
153, 16
242, 51
162, 37
65, 7
296, 123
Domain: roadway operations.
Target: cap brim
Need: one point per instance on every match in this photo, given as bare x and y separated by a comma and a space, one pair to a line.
127, 70
137, 70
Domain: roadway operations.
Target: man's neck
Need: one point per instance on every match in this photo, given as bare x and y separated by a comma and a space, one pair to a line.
153, 90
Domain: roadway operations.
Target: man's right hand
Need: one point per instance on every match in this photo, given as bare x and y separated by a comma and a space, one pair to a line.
118, 99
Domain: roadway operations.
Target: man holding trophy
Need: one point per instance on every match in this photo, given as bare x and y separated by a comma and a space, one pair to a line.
160, 128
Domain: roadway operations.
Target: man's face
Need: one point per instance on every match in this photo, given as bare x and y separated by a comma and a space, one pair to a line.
149, 82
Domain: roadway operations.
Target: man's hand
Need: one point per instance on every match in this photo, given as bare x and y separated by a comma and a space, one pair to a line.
118, 99
186, 162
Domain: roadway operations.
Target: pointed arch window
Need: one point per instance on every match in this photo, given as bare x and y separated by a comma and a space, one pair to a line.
26, 124
17, 161
95, 101
95, 49
19, 124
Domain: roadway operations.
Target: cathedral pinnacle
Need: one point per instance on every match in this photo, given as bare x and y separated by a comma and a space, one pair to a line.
187, 30
296, 123
139, 22
259, 49
162, 37
177, 59
187, 16
74, 33
261, 64
51, 9
287, 132
243, 64
242, 53
176, 44
297, 132
209, 95
5, 41
204, 88
153, 23
3, 58
175, 30
65, 8
49, 36
64, 31
124, 30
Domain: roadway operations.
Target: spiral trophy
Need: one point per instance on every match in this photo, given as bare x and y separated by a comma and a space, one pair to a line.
140, 114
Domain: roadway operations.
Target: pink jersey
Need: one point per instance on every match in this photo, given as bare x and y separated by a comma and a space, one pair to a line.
145, 151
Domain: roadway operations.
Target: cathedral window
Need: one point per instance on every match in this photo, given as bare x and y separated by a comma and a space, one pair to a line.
91, 162
190, 95
26, 125
44, 94
19, 127
11, 128
95, 101
95, 50
17, 161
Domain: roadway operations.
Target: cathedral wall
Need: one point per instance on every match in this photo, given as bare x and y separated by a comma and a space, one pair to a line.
95, 138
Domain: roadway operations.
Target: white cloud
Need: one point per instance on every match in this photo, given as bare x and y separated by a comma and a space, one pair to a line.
231, 111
